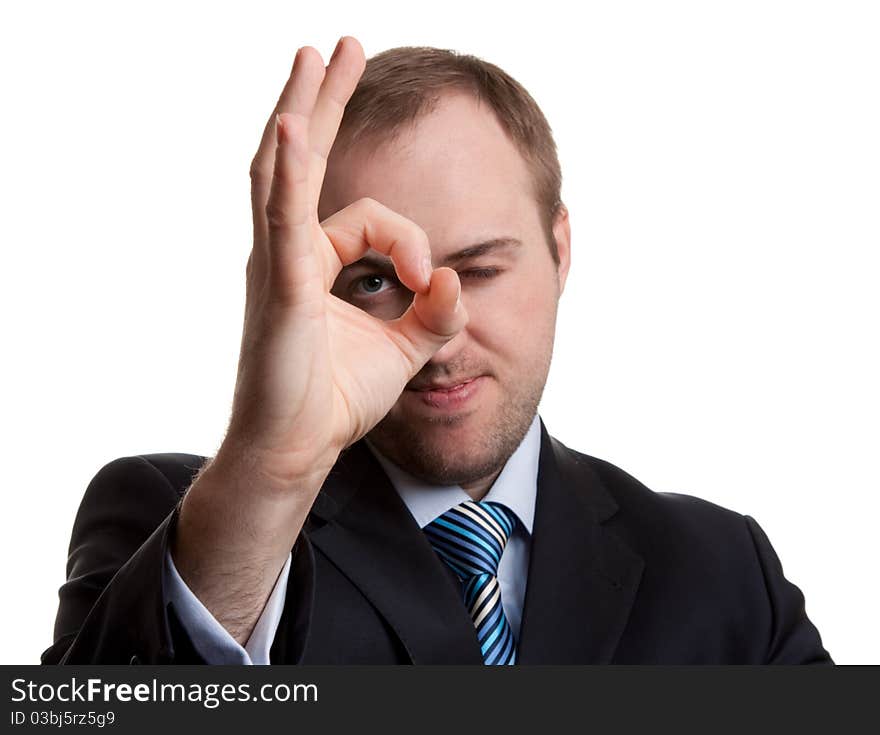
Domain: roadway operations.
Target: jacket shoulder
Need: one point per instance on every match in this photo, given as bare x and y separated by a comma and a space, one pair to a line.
714, 566
178, 468
685, 540
145, 474
125, 502
660, 511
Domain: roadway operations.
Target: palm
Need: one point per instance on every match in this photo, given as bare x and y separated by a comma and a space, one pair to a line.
368, 368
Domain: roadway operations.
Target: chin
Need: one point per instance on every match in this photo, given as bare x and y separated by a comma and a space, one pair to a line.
457, 446
443, 449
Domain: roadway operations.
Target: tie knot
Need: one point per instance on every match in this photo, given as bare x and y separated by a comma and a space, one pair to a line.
471, 537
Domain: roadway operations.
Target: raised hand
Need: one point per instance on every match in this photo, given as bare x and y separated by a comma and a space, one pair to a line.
316, 373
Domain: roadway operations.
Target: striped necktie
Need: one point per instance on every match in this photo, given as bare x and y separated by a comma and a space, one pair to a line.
470, 538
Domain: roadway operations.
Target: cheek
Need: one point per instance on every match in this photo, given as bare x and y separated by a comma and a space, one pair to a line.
513, 320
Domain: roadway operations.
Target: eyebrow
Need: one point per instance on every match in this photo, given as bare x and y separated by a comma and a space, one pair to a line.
383, 262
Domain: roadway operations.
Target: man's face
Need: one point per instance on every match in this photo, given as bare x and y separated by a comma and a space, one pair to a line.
458, 176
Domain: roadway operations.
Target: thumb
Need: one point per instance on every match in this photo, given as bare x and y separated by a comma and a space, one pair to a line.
434, 317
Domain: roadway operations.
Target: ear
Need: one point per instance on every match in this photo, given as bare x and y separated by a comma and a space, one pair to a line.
562, 235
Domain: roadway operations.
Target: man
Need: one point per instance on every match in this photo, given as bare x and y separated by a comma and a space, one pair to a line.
385, 491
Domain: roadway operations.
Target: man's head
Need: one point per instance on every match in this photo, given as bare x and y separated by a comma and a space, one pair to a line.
460, 148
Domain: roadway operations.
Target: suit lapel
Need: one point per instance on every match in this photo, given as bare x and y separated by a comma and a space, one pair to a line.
582, 578
373, 539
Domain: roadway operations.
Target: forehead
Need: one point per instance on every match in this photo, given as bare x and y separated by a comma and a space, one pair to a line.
455, 172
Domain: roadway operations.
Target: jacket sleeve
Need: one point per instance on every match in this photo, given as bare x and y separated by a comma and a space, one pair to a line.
112, 608
793, 638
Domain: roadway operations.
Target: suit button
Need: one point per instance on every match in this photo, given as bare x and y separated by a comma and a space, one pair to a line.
134, 660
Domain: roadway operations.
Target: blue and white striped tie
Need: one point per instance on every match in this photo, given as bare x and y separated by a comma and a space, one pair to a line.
470, 538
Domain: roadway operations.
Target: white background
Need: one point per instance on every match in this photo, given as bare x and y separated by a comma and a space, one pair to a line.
718, 333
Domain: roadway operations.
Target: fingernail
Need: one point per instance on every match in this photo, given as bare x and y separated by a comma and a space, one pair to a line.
427, 270
278, 127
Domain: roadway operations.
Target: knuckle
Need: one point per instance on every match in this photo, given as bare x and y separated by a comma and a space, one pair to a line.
258, 171
419, 235
280, 218
276, 217
368, 204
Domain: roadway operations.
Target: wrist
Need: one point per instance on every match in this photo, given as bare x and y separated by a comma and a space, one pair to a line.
266, 477
231, 517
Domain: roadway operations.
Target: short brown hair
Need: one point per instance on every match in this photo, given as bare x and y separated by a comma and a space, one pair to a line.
401, 84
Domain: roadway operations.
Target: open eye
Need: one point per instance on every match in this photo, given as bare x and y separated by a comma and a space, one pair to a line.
371, 284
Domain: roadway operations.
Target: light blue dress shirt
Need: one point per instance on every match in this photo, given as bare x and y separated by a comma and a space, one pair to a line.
515, 487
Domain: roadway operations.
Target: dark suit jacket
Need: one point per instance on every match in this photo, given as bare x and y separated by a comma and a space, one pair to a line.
618, 574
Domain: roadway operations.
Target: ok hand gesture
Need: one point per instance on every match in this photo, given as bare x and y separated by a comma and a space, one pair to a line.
316, 373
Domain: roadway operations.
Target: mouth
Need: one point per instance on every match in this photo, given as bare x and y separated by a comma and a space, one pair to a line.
449, 395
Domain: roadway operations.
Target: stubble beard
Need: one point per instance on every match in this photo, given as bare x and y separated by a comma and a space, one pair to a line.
419, 451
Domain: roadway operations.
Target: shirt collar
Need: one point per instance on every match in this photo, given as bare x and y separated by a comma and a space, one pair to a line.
515, 487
